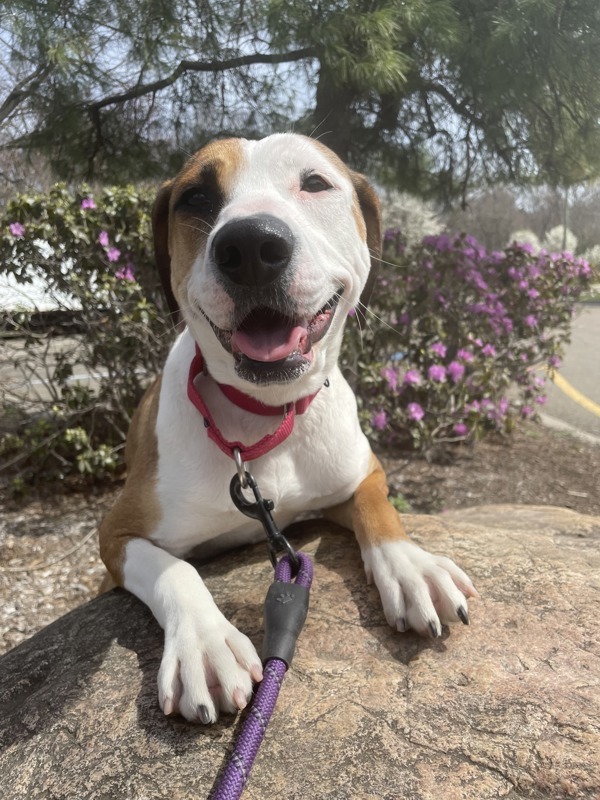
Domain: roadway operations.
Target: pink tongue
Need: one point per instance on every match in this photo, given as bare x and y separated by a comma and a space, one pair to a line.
270, 344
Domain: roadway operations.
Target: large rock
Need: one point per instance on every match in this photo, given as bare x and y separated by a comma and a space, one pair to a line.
507, 708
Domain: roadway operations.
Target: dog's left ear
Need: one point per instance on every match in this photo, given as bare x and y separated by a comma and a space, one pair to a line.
371, 210
160, 232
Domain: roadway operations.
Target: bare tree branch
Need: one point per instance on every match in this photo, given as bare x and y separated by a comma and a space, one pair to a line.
202, 66
22, 91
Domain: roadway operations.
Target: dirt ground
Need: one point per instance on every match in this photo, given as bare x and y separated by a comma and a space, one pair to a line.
49, 562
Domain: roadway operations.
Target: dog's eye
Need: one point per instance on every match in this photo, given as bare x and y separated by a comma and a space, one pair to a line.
197, 200
314, 183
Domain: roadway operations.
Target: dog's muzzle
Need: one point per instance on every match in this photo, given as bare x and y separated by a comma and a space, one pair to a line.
270, 340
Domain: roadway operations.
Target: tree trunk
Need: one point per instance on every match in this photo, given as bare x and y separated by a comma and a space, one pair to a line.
334, 118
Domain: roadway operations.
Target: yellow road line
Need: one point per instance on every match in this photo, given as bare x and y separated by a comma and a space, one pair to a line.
564, 385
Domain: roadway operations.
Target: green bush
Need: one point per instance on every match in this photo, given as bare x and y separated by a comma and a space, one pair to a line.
449, 347
70, 391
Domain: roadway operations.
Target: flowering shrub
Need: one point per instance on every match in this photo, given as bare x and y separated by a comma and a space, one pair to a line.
446, 351
554, 238
68, 394
454, 333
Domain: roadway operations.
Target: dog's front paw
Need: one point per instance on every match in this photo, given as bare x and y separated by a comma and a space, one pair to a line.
206, 668
418, 590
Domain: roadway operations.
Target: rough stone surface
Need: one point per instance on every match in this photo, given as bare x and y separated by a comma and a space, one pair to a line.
507, 708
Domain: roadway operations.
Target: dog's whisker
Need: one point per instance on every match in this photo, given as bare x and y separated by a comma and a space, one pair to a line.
393, 264
207, 229
366, 310
317, 126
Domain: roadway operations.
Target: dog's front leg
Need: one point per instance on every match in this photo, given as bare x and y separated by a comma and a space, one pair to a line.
418, 590
207, 663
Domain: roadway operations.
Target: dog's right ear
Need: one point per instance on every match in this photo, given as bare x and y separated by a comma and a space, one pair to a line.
160, 232
370, 208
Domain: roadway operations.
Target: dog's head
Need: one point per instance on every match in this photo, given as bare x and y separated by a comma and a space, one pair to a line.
264, 247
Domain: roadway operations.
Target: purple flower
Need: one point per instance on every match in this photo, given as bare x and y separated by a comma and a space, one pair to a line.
439, 349
113, 254
465, 355
531, 321
379, 420
475, 277
460, 429
554, 361
87, 203
584, 267
415, 412
125, 273
103, 238
437, 373
488, 350
412, 377
455, 370
526, 411
17, 230
352, 312
541, 399
391, 377
533, 293
441, 242
527, 247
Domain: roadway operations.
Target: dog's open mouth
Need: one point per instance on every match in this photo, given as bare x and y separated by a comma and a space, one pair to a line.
272, 347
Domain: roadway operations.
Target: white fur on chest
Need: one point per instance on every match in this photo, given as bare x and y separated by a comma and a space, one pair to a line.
319, 465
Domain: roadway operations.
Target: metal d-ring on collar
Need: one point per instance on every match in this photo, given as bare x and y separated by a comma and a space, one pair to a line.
240, 466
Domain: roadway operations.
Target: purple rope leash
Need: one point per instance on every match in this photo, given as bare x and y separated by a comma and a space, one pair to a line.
231, 784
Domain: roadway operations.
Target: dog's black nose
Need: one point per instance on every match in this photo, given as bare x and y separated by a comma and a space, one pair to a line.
253, 251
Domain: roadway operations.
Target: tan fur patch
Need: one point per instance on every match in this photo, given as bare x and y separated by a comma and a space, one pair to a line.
179, 239
368, 512
137, 511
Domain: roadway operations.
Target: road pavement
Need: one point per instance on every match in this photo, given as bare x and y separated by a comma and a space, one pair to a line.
574, 394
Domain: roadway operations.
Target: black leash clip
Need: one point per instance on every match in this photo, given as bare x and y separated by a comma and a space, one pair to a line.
261, 511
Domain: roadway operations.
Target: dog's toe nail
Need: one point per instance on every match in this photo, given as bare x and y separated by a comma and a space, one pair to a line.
204, 714
434, 630
168, 706
256, 673
401, 625
239, 699
463, 615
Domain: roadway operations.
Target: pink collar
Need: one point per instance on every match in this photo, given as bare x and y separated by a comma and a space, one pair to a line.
247, 403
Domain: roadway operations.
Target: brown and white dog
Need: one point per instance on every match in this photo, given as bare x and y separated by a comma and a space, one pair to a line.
268, 244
